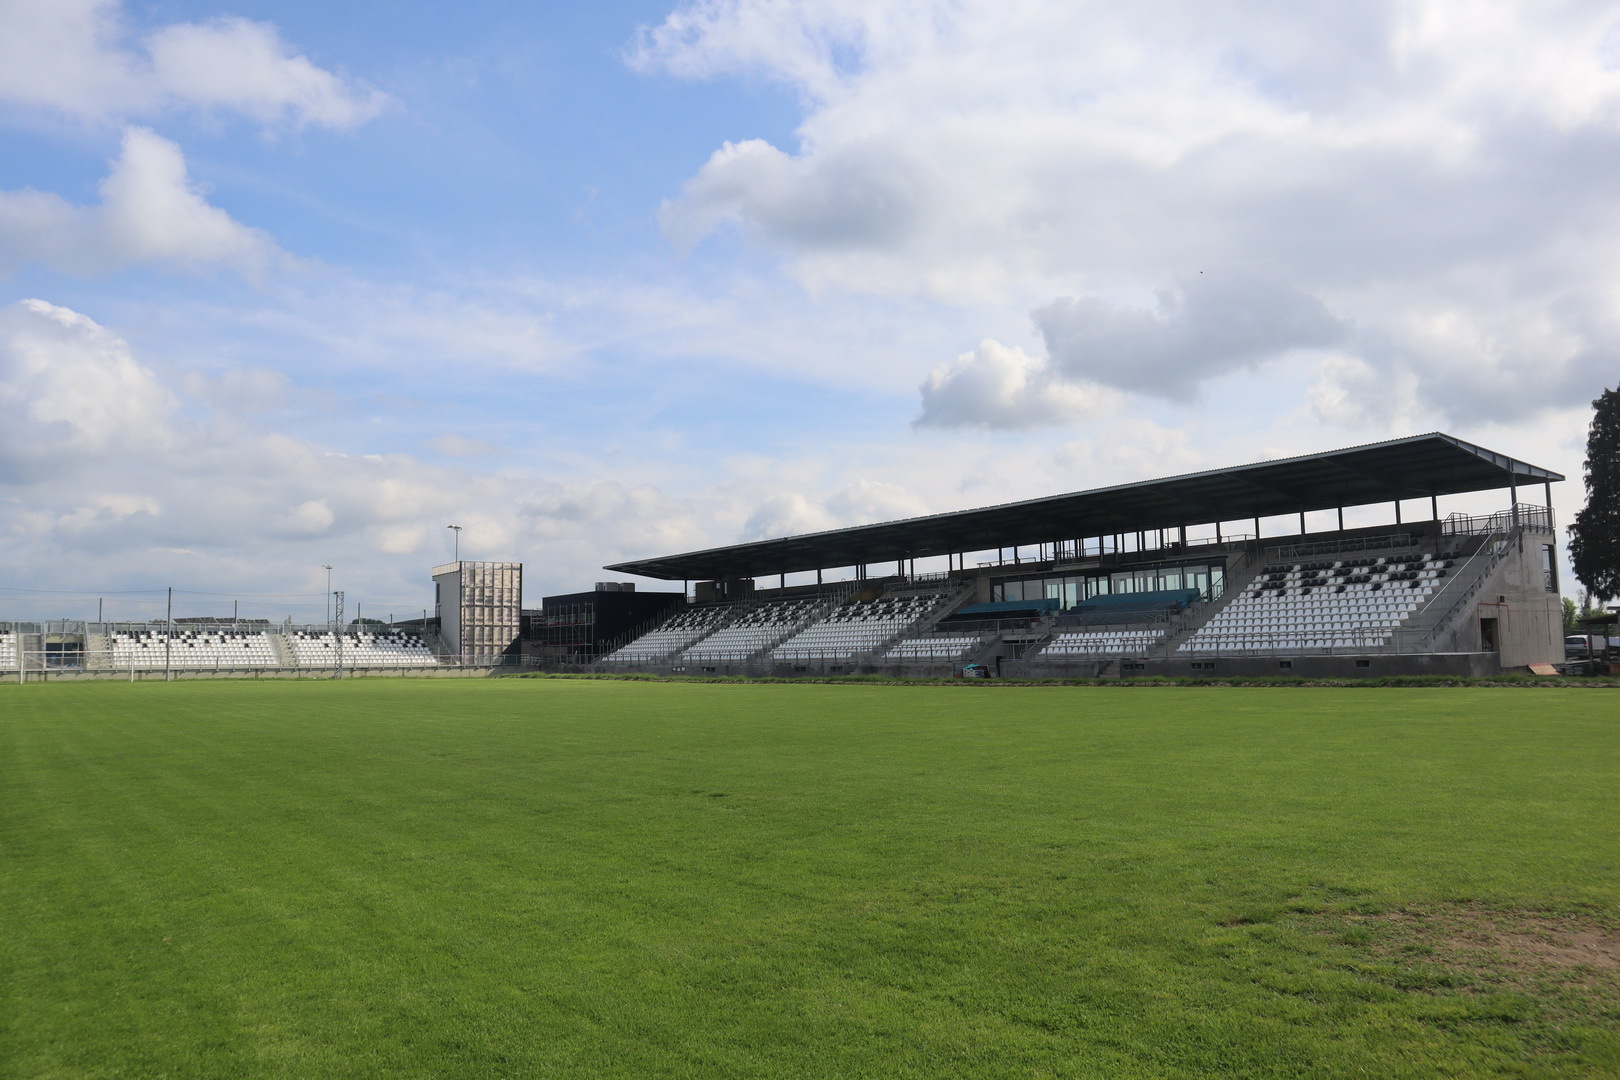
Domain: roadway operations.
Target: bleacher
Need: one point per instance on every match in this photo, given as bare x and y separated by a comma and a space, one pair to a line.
858, 626
1113, 641
316, 649
190, 649
1347, 604
8, 652
765, 624
935, 647
674, 635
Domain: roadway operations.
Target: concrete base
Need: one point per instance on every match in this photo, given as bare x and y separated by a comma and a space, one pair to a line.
1372, 666
190, 674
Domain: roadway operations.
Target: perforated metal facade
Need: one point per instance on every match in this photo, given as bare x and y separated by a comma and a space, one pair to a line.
480, 607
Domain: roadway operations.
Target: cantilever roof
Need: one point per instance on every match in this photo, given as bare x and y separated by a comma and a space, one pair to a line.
1411, 468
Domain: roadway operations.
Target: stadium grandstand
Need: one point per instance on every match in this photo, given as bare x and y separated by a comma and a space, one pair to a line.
475, 627
1169, 576
1248, 570
62, 648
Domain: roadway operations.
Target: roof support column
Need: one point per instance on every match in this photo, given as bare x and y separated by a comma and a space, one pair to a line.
1513, 494
1547, 486
1341, 519
1397, 511
1434, 502
1302, 523
1217, 532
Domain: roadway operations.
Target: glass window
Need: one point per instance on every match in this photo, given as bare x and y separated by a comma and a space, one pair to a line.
1014, 590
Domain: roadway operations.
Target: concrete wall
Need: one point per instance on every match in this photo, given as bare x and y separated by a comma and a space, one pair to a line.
187, 675
1465, 665
1529, 617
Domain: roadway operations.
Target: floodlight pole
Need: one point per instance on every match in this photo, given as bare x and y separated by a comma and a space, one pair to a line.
337, 635
457, 530
168, 638
328, 568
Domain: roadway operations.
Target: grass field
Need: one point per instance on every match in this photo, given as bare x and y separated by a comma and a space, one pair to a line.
514, 878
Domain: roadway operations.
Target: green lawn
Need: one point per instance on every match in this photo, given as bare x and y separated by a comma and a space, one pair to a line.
535, 878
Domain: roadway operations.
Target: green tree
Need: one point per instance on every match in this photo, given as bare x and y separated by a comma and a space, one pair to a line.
1571, 613
1594, 535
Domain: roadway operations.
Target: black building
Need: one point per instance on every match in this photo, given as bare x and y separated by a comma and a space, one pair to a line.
586, 624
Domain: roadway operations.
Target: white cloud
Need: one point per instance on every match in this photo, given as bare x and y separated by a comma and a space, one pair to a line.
1428, 173
309, 518
1207, 327
997, 386
77, 58
101, 466
461, 446
151, 211
71, 393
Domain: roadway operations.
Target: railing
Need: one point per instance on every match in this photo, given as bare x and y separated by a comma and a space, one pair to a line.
1479, 565
1356, 543
29, 664
1521, 516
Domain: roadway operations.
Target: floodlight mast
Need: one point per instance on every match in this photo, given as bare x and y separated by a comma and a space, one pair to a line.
457, 530
328, 568
337, 636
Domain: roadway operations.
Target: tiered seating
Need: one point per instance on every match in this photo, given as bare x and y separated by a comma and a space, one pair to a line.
395, 649
935, 647
857, 627
8, 652
1349, 604
313, 648
1110, 642
674, 635
190, 649
752, 632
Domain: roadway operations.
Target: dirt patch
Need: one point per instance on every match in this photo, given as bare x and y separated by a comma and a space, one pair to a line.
1498, 945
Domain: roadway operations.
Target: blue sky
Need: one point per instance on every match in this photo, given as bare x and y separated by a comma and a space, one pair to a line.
287, 284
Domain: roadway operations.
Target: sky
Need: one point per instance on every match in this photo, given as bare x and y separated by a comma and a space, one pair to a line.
286, 285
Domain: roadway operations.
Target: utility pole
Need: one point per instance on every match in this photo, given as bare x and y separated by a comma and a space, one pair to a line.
457, 530
168, 639
337, 637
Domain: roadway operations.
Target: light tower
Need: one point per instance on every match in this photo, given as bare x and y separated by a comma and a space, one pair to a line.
457, 530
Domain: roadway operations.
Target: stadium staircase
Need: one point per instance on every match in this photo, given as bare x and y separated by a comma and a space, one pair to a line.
1240, 575
98, 651
1440, 615
839, 595
925, 623
283, 650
